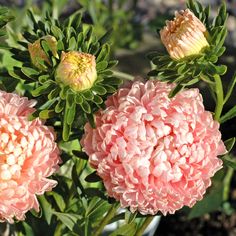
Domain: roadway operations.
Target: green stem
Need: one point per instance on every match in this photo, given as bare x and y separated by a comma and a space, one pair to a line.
123, 75
106, 219
227, 181
145, 224
219, 96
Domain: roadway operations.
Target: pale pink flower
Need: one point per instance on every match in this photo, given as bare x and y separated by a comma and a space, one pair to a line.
184, 36
154, 153
28, 156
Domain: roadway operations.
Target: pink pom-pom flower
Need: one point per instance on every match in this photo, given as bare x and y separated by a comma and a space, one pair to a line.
154, 153
28, 155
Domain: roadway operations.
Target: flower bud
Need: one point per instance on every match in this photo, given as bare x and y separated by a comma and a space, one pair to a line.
77, 69
38, 55
184, 36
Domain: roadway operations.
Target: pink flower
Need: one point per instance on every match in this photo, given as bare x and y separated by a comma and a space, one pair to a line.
28, 155
154, 153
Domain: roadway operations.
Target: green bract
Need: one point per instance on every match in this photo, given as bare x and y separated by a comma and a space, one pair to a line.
192, 69
72, 108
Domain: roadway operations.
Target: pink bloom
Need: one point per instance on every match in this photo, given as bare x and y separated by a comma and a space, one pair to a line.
152, 152
28, 155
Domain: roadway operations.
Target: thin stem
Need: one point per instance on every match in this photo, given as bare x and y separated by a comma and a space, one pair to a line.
219, 96
106, 219
145, 224
123, 75
227, 180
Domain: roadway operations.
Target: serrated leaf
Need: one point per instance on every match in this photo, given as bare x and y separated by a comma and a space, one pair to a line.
229, 115
92, 178
229, 143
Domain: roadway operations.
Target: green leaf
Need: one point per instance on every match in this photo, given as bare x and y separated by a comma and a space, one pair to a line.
229, 143
113, 81
104, 53
99, 90
72, 44
80, 154
106, 36
97, 99
46, 207
86, 107
28, 229
127, 229
229, 162
91, 192
88, 95
46, 114
66, 128
152, 73
229, 115
101, 66
44, 89
78, 99
175, 90
60, 106
71, 114
210, 202
70, 220
230, 88
221, 70
59, 200
92, 178
31, 73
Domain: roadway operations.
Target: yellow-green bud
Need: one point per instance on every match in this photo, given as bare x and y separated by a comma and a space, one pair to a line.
77, 70
37, 54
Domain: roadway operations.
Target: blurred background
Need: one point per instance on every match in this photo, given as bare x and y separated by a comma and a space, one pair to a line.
136, 25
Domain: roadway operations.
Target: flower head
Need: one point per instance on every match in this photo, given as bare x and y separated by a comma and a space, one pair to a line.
184, 36
38, 55
77, 69
28, 156
154, 153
